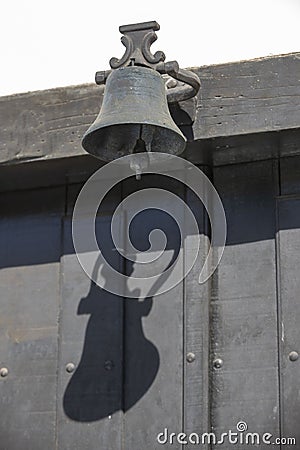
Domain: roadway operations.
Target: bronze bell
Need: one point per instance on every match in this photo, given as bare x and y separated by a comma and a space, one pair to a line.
134, 116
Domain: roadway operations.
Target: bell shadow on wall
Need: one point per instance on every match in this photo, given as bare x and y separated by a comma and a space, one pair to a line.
96, 389
118, 362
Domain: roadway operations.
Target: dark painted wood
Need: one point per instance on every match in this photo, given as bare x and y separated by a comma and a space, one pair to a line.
153, 387
30, 249
56, 172
212, 152
290, 175
196, 329
89, 400
239, 98
131, 377
243, 328
288, 249
289, 288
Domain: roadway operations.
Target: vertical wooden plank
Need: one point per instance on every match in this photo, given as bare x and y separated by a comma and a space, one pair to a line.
196, 329
90, 337
153, 343
30, 231
244, 384
290, 175
289, 284
288, 244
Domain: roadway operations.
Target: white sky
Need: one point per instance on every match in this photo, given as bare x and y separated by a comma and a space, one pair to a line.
54, 43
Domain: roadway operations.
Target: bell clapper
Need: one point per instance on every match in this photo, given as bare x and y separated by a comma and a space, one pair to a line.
140, 167
140, 153
138, 174
136, 166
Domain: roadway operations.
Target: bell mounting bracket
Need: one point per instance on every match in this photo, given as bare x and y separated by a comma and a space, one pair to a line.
137, 39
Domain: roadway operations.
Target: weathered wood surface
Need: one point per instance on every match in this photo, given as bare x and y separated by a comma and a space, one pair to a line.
247, 315
153, 339
243, 330
196, 408
249, 97
46, 124
235, 99
29, 284
288, 248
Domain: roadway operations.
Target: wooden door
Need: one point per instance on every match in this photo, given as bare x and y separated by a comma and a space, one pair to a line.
91, 370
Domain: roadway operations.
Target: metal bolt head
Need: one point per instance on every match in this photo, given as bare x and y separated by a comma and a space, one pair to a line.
218, 363
293, 356
108, 365
171, 83
190, 357
3, 372
70, 367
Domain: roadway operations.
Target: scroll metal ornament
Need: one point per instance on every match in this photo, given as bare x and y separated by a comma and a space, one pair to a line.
137, 39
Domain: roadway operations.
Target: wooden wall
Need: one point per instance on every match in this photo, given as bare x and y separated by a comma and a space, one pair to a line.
132, 377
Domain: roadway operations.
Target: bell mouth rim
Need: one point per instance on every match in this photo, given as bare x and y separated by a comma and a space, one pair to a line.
94, 128
88, 141
85, 142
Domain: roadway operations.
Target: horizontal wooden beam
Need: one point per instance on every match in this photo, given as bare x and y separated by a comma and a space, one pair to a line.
249, 97
239, 98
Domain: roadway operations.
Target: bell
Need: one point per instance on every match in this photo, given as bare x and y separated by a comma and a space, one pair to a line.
134, 117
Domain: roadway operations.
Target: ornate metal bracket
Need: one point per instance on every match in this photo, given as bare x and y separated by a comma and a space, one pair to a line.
137, 40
